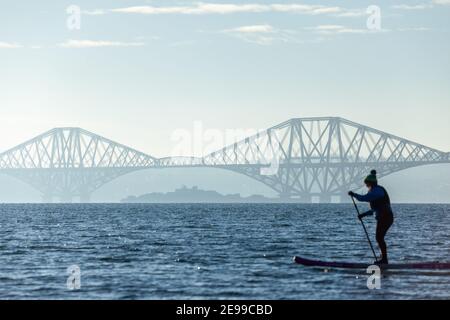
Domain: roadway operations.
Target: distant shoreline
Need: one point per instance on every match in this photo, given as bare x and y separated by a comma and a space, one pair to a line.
196, 195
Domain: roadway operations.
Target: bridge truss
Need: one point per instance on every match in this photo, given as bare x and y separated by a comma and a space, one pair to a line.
300, 158
322, 157
71, 162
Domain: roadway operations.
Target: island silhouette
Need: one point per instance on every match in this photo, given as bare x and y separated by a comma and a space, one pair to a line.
196, 195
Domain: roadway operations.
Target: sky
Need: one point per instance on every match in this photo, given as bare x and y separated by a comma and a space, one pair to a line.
138, 71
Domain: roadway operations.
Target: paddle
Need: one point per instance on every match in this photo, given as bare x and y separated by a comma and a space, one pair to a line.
365, 230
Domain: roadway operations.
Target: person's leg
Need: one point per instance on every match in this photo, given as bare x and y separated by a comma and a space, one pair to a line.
383, 226
381, 232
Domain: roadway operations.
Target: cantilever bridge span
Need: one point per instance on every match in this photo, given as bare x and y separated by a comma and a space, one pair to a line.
299, 158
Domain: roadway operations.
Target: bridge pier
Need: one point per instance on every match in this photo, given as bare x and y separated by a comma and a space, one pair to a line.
325, 198
66, 198
285, 197
306, 198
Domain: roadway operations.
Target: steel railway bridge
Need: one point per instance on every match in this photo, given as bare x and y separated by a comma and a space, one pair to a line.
299, 158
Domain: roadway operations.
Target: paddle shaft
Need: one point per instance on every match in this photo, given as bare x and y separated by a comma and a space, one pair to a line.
365, 230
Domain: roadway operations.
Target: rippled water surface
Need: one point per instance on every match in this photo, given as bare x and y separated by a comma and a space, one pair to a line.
201, 251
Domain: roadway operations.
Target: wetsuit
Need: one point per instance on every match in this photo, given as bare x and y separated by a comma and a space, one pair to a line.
380, 204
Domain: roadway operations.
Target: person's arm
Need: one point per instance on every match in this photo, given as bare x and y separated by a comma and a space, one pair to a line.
372, 195
365, 214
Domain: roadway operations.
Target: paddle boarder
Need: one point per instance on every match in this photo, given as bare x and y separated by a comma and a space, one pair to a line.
380, 204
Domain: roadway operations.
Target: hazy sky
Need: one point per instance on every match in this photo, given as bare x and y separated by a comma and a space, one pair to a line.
136, 71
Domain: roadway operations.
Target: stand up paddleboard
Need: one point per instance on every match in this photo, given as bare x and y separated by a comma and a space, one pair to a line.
349, 265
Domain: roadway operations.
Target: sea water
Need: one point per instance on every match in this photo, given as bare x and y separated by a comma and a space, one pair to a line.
212, 251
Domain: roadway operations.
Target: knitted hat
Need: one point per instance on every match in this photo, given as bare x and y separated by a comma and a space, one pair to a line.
372, 177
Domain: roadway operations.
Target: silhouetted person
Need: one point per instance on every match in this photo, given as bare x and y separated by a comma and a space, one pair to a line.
380, 204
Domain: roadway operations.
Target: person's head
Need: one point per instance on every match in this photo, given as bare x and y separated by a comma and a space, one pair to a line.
371, 180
